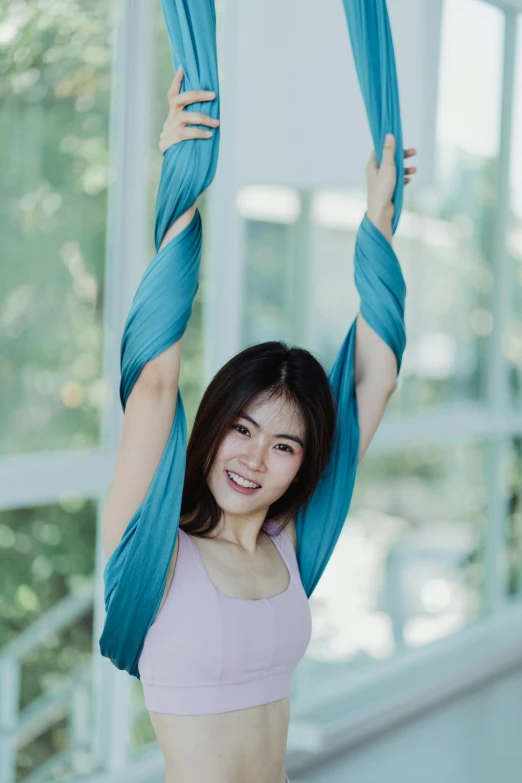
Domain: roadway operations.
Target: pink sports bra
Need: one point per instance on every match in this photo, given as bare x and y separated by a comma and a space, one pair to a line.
207, 652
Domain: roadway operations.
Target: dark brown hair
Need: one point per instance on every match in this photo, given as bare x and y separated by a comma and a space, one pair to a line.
276, 371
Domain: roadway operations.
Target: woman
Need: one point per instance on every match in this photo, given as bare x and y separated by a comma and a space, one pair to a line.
234, 620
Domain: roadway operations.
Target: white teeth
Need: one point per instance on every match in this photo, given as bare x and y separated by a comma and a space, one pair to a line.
241, 481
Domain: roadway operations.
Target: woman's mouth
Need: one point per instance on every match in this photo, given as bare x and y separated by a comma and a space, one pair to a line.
245, 487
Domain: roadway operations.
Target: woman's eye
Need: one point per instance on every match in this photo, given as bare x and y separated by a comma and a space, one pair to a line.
244, 431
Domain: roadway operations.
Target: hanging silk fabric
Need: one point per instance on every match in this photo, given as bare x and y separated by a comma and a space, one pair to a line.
136, 572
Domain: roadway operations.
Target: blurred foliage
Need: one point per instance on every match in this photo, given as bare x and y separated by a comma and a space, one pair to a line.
47, 552
55, 74
55, 70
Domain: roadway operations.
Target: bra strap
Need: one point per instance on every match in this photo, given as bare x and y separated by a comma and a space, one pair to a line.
285, 548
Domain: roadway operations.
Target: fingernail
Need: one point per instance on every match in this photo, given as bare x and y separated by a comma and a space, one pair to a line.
388, 137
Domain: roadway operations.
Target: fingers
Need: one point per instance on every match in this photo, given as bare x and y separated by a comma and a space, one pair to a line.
195, 118
409, 153
196, 133
175, 86
178, 99
192, 96
171, 137
388, 156
388, 152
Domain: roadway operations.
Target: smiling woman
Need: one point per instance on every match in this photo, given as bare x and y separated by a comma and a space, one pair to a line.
277, 431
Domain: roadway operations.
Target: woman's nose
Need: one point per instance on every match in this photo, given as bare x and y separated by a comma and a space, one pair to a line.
254, 456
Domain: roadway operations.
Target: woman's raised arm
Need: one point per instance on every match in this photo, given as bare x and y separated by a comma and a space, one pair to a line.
151, 405
375, 362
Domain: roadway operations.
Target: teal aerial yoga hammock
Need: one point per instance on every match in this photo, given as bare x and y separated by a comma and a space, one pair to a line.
136, 572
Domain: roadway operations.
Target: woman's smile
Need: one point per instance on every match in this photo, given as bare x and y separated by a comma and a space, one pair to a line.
233, 480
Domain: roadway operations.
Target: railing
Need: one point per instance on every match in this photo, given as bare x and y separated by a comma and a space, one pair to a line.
70, 698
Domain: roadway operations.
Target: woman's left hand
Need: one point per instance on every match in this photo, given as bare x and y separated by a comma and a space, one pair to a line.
381, 181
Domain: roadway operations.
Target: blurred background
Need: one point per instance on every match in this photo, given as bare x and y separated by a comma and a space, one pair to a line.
414, 670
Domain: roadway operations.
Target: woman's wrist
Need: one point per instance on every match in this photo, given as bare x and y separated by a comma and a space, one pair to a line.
382, 219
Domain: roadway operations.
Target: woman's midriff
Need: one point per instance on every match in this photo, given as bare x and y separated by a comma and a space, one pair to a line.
229, 747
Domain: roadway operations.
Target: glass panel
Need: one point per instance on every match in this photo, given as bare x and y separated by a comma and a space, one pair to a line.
336, 217
445, 235
270, 215
512, 342
408, 567
47, 553
54, 93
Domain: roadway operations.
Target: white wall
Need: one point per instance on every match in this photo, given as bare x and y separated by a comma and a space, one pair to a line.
298, 115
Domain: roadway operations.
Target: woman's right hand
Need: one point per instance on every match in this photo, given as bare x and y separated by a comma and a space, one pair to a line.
178, 125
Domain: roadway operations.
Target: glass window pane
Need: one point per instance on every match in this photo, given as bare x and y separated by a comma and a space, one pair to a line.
271, 234
448, 261
445, 235
54, 93
408, 567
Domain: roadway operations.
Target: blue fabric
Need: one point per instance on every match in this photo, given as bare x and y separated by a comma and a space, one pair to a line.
135, 573
381, 287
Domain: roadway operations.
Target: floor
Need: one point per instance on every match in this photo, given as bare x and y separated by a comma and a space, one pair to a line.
475, 739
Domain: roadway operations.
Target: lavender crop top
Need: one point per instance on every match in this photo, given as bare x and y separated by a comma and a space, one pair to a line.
207, 652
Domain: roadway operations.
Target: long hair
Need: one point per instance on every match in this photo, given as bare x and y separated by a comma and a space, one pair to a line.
274, 370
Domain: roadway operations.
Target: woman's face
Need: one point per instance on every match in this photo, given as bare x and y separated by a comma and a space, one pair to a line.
265, 447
